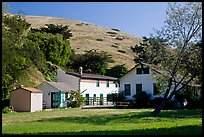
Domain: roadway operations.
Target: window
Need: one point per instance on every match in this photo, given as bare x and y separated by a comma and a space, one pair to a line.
155, 89
139, 70
107, 83
145, 70
138, 87
127, 89
142, 70
97, 83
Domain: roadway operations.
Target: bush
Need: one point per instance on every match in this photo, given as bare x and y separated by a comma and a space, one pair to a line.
121, 51
101, 101
142, 99
75, 99
110, 32
115, 46
5, 103
155, 102
7, 110
79, 24
119, 38
116, 30
116, 97
99, 39
73, 104
158, 100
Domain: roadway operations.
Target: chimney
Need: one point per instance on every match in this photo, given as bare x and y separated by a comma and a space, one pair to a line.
80, 70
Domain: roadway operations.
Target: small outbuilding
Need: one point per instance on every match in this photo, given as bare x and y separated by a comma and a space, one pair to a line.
26, 99
54, 93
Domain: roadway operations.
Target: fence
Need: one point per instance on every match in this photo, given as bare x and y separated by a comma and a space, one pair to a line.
97, 101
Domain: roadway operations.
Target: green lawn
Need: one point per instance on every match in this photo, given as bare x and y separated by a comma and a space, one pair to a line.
76, 121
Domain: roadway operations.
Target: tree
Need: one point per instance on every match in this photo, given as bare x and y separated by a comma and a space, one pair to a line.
92, 61
14, 30
56, 29
54, 48
117, 71
178, 55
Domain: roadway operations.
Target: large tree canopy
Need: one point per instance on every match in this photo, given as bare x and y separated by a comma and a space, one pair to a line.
92, 61
175, 49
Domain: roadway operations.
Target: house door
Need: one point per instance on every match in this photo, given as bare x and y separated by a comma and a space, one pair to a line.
87, 99
55, 99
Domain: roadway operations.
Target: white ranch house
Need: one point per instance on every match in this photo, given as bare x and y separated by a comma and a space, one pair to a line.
138, 79
93, 86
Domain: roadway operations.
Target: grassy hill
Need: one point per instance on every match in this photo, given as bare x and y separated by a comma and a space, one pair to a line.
88, 36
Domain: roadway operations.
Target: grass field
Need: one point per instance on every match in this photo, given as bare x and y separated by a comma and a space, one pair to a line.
76, 121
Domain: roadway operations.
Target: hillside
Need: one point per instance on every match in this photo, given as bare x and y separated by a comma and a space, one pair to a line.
88, 36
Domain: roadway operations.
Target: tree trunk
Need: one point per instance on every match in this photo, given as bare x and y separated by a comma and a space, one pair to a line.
159, 108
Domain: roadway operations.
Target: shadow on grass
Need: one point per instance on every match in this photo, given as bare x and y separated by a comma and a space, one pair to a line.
132, 117
184, 130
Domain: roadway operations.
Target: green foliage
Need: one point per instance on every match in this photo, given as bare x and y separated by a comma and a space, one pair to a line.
117, 71
110, 32
75, 99
142, 99
99, 39
116, 97
92, 61
79, 24
7, 110
173, 50
116, 30
121, 51
54, 48
14, 29
56, 29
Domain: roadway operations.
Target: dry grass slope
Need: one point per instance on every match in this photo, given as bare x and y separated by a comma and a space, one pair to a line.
88, 36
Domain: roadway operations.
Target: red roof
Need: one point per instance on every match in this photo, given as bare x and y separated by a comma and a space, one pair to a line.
31, 90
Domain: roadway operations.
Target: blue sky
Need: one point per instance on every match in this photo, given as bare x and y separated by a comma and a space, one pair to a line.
136, 18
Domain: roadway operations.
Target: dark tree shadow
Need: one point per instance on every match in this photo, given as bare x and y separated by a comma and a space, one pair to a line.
186, 130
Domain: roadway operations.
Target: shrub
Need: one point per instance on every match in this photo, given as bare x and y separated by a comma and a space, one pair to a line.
7, 110
79, 24
121, 51
116, 30
101, 101
75, 99
115, 46
118, 38
155, 102
116, 97
99, 39
110, 32
158, 100
142, 99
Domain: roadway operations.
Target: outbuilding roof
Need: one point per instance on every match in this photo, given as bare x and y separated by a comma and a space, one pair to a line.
63, 87
91, 76
31, 90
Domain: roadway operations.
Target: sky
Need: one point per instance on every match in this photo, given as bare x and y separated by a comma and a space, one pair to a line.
135, 18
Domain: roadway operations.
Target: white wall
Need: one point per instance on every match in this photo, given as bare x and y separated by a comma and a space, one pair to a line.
71, 80
133, 79
36, 102
46, 90
90, 87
